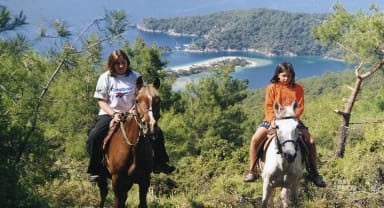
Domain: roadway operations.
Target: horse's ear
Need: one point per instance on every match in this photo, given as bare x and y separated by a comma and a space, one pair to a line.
276, 107
295, 104
139, 83
156, 83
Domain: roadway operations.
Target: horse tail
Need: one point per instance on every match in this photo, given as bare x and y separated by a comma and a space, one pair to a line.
133, 165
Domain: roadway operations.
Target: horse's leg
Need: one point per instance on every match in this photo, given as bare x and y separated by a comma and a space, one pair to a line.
293, 196
271, 198
284, 197
267, 194
120, 190
143, 190
103, 189
289, 196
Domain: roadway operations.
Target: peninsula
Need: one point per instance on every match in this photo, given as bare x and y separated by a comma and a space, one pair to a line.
198, 67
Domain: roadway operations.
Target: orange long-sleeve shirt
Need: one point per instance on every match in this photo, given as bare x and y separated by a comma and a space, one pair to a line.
285, 95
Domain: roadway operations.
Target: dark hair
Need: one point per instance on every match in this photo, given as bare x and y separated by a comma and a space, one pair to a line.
284, 67
113, 58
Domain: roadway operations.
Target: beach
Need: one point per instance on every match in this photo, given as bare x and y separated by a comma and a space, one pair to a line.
182, 81
251, 62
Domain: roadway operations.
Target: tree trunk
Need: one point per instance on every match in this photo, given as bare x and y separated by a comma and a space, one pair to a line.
346, 114
345, 118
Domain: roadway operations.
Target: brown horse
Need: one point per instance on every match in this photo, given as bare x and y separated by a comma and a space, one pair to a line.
128, 153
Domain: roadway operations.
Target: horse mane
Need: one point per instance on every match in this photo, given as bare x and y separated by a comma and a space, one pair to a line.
148, 90
151, 91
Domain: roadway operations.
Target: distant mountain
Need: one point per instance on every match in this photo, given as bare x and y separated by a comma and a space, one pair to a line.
268, 31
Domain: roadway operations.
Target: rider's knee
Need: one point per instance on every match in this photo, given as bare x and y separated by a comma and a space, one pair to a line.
259, 135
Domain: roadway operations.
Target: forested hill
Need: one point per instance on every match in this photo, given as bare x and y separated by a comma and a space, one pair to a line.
267, 31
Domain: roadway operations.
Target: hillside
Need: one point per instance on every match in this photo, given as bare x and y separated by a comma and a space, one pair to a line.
272, 32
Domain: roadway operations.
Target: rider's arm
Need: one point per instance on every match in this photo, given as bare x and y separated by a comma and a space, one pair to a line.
106, 108
300, 100
268, 105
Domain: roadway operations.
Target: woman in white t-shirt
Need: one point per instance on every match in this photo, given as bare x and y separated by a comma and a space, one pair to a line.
115, 93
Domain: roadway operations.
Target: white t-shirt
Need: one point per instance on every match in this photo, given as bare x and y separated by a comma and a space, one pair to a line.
118, 91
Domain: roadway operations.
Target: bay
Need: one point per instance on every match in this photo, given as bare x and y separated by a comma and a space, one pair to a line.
258, 76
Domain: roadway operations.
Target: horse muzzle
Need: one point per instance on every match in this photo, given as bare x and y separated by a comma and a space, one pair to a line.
290, 157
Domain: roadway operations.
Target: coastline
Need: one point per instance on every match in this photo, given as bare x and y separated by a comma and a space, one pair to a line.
189, 48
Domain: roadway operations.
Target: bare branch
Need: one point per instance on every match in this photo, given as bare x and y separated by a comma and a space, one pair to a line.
373, 70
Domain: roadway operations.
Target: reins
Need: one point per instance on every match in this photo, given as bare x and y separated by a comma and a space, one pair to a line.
139, 122
142, 131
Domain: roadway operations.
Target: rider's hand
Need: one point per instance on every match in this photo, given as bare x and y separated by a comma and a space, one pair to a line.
273, 124
116, 117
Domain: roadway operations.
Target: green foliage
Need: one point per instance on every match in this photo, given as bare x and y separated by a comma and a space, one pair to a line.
146, 60
25, 151
7, 23
17, 44
359, 35
218, 96
116, 22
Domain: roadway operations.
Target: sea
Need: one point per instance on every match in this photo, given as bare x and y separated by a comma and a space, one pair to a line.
78, 14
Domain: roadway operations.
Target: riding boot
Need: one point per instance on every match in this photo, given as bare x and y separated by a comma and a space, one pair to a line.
94, 146
161, 157
314, 175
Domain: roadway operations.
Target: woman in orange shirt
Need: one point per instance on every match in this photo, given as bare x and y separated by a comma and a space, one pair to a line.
284, 90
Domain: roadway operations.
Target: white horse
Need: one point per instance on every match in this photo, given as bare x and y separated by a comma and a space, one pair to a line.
284, 164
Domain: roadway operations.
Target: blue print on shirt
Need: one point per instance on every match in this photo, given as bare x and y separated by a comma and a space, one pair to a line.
120, 92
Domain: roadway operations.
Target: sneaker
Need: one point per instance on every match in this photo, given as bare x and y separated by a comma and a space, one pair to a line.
93, 178
163, 168
250, 177
317, 179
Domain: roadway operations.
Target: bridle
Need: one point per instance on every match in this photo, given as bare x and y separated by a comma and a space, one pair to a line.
277, 140
141, 123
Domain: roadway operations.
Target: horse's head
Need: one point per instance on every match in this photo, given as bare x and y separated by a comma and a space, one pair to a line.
287, 133
148, 102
